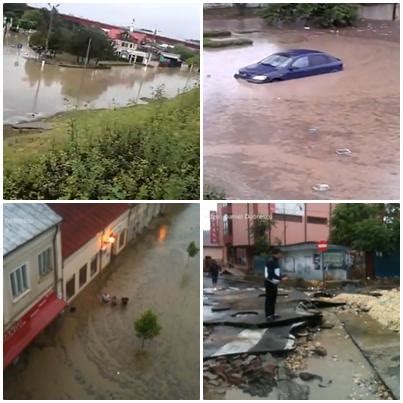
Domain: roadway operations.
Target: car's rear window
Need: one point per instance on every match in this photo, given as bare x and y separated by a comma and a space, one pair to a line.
316, 60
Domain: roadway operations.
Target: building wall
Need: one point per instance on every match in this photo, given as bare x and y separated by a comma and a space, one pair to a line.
285, 231
95, 247
140, 217
214, 252
306, 265
38, 286
382, 12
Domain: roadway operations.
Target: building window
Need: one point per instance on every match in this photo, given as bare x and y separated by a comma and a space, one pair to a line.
287, 217
83, 276
225, 224
45, 262
316, 220
71, 287
122, 237
94, 265
19, 281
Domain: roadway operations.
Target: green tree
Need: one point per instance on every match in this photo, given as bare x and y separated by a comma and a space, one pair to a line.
34, 18
259, 230
192, 251
366, 227
147, 326
324, 15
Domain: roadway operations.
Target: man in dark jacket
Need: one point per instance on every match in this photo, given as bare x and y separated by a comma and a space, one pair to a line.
272, 275
214, 271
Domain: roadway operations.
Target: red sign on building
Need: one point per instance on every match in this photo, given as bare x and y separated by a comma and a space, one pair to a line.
214, 236
322, 246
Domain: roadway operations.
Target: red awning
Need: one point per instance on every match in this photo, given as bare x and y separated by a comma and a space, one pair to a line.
29, 326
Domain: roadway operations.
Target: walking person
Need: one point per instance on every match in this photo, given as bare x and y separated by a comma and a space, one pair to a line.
214, 271
272, 276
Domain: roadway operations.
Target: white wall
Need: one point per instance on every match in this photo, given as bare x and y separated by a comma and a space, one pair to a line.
38, 286
140, 217
301, 265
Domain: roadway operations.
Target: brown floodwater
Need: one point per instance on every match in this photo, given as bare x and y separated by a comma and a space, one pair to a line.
93, 353
275, 141
30, 91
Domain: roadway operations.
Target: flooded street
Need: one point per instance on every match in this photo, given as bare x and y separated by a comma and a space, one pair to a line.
276, 141
29, 90
93, 353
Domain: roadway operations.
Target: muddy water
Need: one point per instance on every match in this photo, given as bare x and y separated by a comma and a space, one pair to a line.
257, 138
94, 354
30, 90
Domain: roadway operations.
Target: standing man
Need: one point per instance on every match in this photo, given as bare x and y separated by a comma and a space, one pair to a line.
214, 271
272, 275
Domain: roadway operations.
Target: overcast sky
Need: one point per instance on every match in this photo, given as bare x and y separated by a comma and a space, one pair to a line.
176, 20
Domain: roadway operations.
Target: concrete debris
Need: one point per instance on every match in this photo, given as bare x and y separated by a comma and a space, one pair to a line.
343, 151
320, 187
255, 375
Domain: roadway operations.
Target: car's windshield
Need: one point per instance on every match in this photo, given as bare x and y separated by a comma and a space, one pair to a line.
276, 60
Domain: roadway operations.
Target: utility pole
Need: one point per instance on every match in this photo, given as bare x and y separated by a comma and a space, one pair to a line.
52, 12
394, 11
88, 52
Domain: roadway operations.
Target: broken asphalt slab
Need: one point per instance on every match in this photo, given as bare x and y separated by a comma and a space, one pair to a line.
256, 318
228, 340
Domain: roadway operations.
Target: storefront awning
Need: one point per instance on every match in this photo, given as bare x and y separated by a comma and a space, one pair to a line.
29, 326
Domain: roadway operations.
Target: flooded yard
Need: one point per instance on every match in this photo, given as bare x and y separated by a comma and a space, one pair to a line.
276, 141
30, 92
93, 353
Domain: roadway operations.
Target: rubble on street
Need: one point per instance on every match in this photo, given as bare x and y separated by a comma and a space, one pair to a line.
382, 305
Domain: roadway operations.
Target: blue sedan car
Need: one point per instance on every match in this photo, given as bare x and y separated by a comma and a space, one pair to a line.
294, 63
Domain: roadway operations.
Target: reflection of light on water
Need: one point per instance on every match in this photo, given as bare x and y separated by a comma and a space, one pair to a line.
162, 233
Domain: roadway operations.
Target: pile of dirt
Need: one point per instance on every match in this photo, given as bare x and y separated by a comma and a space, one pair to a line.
384, 308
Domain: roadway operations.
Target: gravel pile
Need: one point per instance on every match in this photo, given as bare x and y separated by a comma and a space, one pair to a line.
384, 308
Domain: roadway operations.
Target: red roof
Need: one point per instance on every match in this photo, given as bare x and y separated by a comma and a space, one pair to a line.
135, 36
114, 33
82, 221
138, 37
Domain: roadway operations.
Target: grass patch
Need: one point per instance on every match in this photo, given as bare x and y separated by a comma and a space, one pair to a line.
223, 43
139, 152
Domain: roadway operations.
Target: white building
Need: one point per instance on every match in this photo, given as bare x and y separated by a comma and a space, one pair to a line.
32, 276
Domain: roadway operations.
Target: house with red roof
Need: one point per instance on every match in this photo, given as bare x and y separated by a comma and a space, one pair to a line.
127, 44
91, 234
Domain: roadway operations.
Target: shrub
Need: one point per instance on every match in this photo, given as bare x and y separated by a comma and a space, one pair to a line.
147, 326
320, 14
157, 160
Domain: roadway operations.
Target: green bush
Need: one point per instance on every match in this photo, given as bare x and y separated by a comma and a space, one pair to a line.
321, 14
147, 326
157, 160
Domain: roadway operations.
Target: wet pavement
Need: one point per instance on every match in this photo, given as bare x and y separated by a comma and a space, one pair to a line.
30, 92
340, 368
276, 141
94, 353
